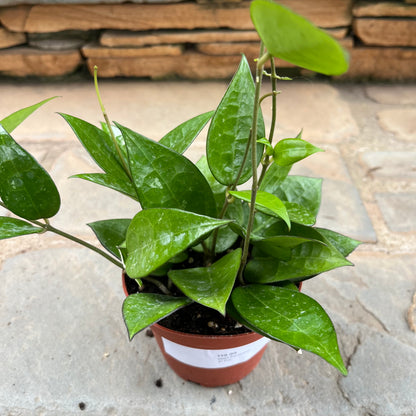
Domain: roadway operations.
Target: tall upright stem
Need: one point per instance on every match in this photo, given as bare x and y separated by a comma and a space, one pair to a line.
110, 129
253, 145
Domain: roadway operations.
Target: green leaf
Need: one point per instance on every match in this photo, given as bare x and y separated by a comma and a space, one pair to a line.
13, 227
345, 245
306, 260
230, 128
210, 286
181, 137
273, 176
117, 135
272, 245
290, 317
10, 122
300, 190
166, 179
111, 233
289, 151
298, 213
110, 181
294, 39
267, 203
141, 310
156, 235
26, 188
100, 146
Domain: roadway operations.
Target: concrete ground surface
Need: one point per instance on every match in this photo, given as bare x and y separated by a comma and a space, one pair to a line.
63, 345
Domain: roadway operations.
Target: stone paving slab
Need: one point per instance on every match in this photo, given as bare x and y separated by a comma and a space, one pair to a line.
77, 359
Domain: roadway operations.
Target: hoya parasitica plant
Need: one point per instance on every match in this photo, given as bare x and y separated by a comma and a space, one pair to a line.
254, 246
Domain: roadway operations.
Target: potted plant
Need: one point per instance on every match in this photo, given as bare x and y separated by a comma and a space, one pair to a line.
206, 256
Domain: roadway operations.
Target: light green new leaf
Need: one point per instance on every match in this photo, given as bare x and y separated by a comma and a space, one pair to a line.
26, 188
289, 151
291, 317
156, 235
111, 233
182, 136
229, 131
166, 179
10, 122
267, 203
13, 227
294, 39
141, 310
210, 286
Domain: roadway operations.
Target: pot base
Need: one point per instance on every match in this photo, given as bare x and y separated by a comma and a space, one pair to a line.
210, 361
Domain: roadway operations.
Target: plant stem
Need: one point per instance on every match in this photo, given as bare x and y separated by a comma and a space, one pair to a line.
107, 121
158, 284
48, 227
274, 93
253, 143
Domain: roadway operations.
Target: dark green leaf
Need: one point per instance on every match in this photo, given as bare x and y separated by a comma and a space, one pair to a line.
10, 122
26, 188
210, 286
166, 179
345, 245
290, 317
294, 39
156, 235
110, 181
306, 259
13, 227
298, 213
99, 145
229, 131
300, 190
118, 137
265, 202
289, 151
141, 310
181, 137
111, 233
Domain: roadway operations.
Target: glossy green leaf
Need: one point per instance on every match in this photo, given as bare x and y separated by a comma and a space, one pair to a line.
229, 131
118, 137
156, 235
26, 188
10, 122
298, 213
345, 245
274, 175
270, 246
111, 233
109, 181
265, 202
290, 317
210, 286
289, 151
141, 310
166, 179
182, 136
99, 145
306, 260
300, 190
294, 39
13, 227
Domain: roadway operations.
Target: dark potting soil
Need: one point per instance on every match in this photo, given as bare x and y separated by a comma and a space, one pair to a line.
196, 318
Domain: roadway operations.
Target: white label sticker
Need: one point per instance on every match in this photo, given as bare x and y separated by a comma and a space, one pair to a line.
213, 358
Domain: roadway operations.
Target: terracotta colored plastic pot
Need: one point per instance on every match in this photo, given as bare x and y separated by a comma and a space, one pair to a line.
210, 361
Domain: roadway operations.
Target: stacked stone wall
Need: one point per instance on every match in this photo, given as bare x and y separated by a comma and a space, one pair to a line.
198, 39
